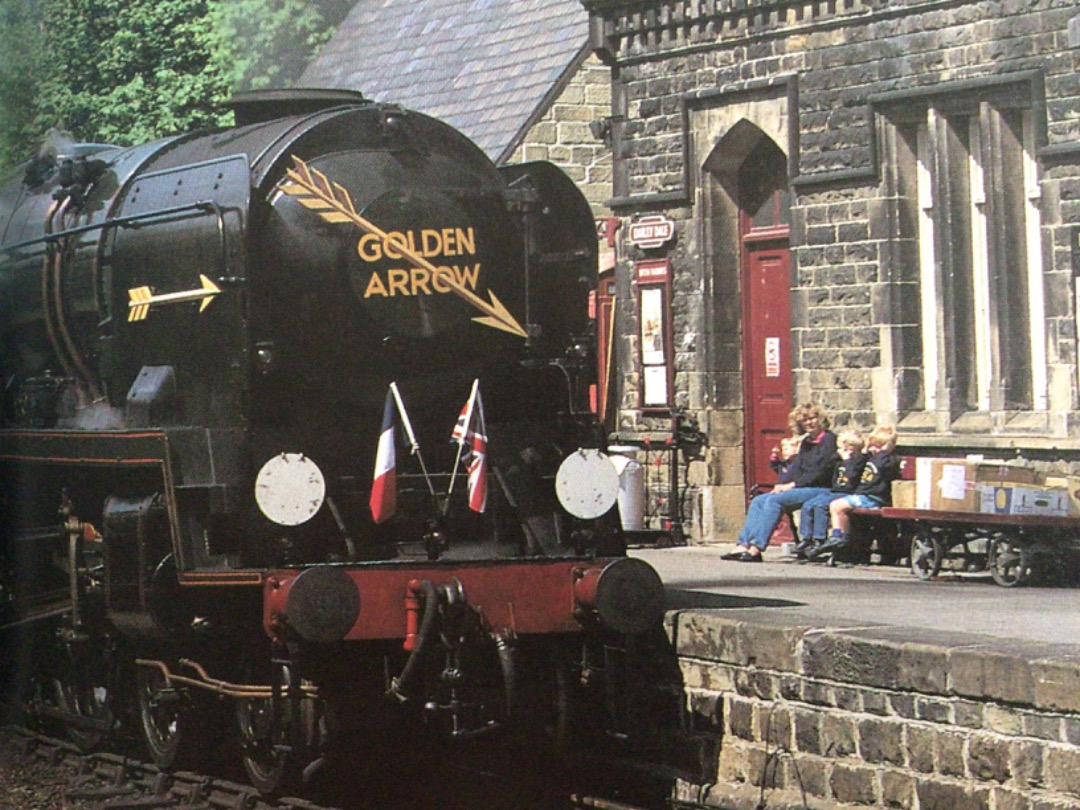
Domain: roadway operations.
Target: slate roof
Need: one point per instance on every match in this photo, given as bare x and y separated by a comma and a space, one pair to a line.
485, 66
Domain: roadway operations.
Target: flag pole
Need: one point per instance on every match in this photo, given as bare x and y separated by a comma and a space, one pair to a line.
413, 443
461, 442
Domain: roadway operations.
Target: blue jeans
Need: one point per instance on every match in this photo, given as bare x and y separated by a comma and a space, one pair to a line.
765, 511
814, 517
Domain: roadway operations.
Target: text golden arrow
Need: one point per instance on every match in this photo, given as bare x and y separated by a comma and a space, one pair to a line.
331, 201
140, 299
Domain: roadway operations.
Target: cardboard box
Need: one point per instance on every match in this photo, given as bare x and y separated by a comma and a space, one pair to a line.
946, 484
999, 473
1070, 485
904, 494
1013, 500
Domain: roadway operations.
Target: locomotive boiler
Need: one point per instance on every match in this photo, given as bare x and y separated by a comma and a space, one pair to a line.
205, 343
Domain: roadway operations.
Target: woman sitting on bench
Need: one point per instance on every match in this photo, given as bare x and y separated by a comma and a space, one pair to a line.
810, 474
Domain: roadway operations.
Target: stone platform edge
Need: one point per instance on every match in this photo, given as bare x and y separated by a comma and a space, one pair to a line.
924, 662
880, 715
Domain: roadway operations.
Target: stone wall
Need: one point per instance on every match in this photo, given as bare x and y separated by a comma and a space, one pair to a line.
880, 717
563, 137
811, 76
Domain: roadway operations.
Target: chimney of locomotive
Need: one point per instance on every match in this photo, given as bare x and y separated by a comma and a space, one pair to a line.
266, 105
392, 126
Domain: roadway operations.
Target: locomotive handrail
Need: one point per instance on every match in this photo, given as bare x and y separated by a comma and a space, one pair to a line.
127, 221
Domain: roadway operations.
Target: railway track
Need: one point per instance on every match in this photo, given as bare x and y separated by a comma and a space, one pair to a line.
113, 782
54, 775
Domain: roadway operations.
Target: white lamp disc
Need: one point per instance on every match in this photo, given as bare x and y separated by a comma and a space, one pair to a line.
290, 489
587, 484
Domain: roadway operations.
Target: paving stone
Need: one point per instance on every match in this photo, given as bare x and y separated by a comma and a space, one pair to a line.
838, 735
988, 758
897, 790
881, 741
949, 754
1056, 684
920, 748
853, 785
1063, 770
951, 796
997, 674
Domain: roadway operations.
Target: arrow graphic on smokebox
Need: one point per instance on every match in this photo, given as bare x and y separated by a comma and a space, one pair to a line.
331, 201
141, 298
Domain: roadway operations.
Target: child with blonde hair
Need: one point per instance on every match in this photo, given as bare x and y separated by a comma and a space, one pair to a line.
873, 492
814, 516
783, 456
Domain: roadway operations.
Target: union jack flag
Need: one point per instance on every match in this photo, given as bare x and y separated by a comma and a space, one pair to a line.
471, 433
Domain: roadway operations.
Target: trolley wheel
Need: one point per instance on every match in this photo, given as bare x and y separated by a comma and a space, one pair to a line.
926, 553
1010, 562
278, 741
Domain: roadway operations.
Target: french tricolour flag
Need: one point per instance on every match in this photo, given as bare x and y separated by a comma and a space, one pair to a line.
471, 432
384, 484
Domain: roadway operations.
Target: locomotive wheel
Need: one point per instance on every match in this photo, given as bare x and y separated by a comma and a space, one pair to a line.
277, 745
84, 691
1010, 562
165, 720
925, 554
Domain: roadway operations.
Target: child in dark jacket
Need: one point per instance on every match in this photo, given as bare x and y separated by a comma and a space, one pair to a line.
873, 492
814, 516
783, 457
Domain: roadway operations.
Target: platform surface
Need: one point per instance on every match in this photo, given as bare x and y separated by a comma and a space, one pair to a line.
784, 590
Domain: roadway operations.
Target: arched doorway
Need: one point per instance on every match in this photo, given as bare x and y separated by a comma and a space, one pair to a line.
764, 202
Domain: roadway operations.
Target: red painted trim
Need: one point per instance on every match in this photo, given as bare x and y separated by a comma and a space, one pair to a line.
123, 462
525, 598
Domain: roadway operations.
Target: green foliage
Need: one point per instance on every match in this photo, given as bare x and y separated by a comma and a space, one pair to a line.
128, 71
268, 43
20, 42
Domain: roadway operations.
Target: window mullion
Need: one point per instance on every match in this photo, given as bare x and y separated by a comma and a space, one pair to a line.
928, 270
1036, 303
980, 251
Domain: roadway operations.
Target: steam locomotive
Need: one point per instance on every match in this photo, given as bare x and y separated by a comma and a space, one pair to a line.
211, 346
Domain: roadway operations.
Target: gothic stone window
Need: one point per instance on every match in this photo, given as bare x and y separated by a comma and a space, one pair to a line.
966, 184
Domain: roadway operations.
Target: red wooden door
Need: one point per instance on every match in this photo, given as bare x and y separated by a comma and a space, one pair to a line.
766, 354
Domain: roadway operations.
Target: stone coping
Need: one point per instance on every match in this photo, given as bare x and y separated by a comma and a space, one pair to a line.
922, 661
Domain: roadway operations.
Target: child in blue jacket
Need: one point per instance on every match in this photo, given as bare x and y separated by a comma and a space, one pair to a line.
814, 516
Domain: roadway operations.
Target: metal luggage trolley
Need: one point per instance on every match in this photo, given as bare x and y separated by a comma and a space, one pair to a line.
665, 510
1015, 549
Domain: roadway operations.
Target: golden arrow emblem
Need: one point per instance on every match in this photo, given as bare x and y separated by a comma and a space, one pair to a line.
140, 299
331, 201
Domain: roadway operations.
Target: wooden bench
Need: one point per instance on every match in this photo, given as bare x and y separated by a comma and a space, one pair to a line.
1015, 549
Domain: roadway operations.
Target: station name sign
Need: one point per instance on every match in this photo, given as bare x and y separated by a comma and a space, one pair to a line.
651, 231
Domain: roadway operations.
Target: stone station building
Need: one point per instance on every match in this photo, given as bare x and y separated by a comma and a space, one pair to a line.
875, 206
